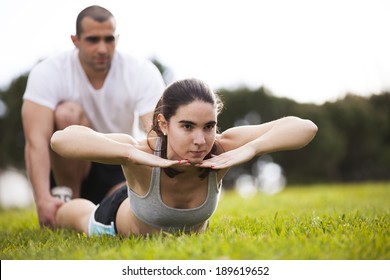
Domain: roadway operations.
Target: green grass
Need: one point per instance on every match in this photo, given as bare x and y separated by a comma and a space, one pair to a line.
319, 222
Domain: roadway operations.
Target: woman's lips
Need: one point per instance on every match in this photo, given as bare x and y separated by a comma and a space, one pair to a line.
197, 154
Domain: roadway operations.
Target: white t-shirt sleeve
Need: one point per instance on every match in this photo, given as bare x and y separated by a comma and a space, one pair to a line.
150, 87
42, 85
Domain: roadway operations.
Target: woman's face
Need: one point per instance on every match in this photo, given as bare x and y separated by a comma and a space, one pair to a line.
191, 131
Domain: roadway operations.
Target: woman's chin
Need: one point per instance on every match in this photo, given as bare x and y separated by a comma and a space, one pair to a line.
196, 160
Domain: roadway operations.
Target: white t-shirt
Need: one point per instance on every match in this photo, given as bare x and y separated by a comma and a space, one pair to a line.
132, 88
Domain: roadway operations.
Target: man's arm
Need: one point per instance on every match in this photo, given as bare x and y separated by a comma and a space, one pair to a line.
38, 127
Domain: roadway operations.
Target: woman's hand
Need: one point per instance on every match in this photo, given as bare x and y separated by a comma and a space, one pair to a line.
141, 158
230, 158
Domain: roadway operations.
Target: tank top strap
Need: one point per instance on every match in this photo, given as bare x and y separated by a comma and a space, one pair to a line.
155, 181
157, 149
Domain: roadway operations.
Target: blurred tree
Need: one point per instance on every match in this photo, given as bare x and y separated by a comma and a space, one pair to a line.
381, 107
362, 128
11, 130
317, 160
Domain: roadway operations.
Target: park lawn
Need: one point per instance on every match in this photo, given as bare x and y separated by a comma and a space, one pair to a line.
320, 222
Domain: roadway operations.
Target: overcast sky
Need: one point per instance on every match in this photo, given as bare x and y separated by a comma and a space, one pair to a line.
306, 50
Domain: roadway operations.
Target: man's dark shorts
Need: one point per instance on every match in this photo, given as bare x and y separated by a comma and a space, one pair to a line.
101, 178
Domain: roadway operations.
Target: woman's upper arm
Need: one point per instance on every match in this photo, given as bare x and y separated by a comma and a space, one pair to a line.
284, 133
238, 136
121, 138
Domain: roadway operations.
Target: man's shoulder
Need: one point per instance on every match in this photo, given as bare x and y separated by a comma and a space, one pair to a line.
132, 60
56, 60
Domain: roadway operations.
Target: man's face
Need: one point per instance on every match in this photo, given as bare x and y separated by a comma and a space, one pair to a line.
96, 44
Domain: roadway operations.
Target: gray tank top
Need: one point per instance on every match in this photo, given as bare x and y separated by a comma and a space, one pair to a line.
151, 210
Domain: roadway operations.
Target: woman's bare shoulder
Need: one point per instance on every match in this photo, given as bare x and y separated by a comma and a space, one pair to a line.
225, 142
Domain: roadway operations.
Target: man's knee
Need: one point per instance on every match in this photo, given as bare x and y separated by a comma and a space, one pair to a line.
69, 113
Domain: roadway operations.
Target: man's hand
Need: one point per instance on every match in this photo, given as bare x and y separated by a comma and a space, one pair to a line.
47, 211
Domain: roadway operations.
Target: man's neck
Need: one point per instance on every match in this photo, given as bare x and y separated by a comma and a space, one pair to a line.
96, 78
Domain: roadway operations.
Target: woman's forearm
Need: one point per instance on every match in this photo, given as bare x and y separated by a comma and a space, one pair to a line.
80, 142
289, 133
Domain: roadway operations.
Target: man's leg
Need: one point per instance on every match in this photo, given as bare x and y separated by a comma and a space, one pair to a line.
69, 172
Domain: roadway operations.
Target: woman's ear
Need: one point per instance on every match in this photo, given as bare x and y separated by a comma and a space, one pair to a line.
162, 124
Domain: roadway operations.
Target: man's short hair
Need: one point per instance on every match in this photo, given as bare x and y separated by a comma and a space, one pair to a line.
95, 12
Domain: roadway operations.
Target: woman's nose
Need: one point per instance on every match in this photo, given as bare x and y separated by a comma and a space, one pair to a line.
199, 138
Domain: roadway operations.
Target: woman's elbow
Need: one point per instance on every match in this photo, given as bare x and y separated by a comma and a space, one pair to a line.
61, 137
310, 129
57, 141
306, 126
